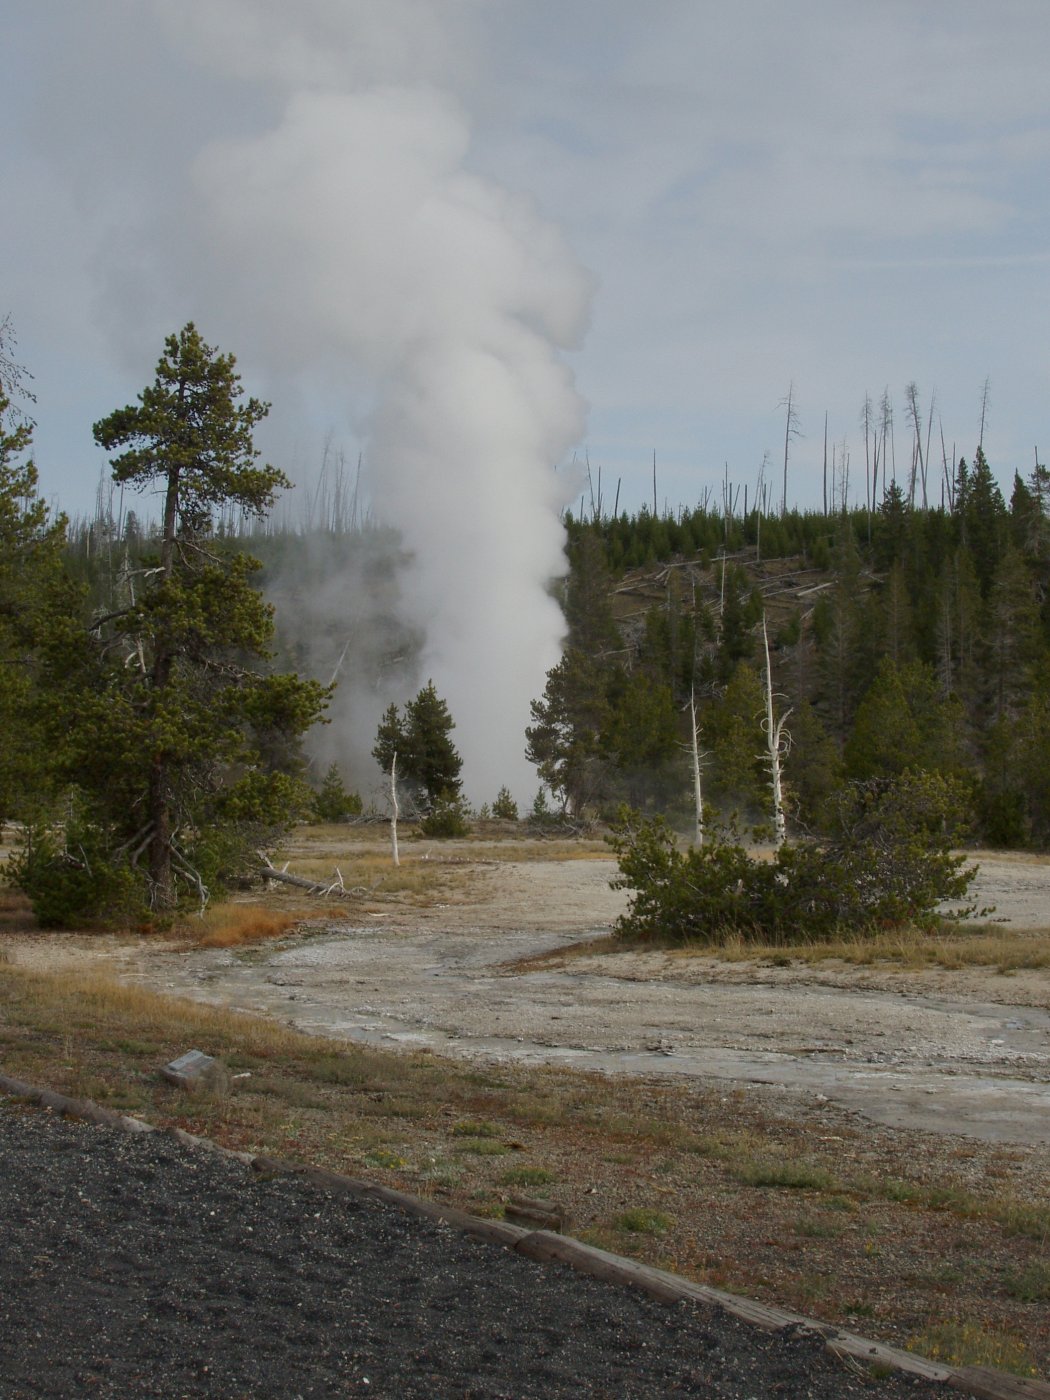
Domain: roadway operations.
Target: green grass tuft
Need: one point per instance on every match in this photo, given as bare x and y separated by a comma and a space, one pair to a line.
642, 1220
791, 1176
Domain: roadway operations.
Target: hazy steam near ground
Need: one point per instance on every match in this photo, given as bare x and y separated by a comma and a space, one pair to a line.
351, 239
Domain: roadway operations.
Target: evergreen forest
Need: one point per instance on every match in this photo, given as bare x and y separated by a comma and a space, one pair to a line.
902, 638
155, 706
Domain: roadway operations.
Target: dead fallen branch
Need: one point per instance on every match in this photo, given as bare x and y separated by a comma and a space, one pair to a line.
327, 890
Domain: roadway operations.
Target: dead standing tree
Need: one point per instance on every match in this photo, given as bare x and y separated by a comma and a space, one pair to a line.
394, 810
918, 460
778, 742
697, 761
791, 430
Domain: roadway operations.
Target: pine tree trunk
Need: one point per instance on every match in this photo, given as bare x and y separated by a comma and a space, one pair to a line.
162, 880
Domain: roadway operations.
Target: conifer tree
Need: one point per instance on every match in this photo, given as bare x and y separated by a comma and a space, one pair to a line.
1012, 641
981, 512
431, 758
903, 724
40, 638
565, 739
957, 619
588, 615
390, 740
845, 642
427, 760
813, 770
184, 749
640, 737
732, 730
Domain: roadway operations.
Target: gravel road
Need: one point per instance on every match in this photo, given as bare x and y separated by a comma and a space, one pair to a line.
134, 1266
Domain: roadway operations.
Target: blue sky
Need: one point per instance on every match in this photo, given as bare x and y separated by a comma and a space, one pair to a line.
845, 197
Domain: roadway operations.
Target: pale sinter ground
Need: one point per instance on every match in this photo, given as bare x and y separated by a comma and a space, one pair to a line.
961, 1052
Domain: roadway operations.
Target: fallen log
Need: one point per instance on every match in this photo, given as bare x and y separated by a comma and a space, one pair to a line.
267, 871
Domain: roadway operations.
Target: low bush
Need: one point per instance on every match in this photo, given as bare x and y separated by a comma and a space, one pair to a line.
505, 808
72, 879
447, 819
333, 803
887, 862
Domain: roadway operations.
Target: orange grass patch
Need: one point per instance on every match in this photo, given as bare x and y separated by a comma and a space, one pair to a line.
230, 925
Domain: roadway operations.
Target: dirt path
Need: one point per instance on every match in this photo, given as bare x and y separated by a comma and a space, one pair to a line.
964, 1053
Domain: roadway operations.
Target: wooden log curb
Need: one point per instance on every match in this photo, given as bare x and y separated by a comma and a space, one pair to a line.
545, 1246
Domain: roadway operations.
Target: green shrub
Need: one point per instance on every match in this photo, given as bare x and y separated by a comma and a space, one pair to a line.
447, 818
333, 803
504, 808
887, 862
73, 881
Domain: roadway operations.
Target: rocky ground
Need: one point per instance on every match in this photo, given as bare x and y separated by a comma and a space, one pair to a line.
132, 1266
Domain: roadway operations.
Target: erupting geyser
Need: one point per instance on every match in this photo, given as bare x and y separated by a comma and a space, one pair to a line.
352, 235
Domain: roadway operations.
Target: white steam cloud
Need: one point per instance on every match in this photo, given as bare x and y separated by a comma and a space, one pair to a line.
352, 235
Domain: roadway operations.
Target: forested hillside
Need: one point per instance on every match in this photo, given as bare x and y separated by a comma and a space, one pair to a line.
901, 638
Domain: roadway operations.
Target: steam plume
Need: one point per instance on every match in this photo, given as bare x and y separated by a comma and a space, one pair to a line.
352, 234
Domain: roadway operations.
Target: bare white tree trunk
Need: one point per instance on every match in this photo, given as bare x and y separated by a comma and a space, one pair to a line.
776, 746
698, 795
393, 810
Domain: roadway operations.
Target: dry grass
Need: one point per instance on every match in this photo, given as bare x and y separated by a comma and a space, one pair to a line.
962, 1342
343, 842
908, 949
430, 871
375, 876
233, 925
883, 1215
15, 914
541, 848
902, 951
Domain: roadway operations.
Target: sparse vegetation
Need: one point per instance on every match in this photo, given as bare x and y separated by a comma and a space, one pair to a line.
483, 1147
1030, 1284
526, 1176
471, 1128
909, 949
786, 1175
440, 1128
971, 1343
234, 925
643, 1220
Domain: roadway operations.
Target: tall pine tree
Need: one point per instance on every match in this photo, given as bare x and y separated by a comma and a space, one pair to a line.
181, 749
